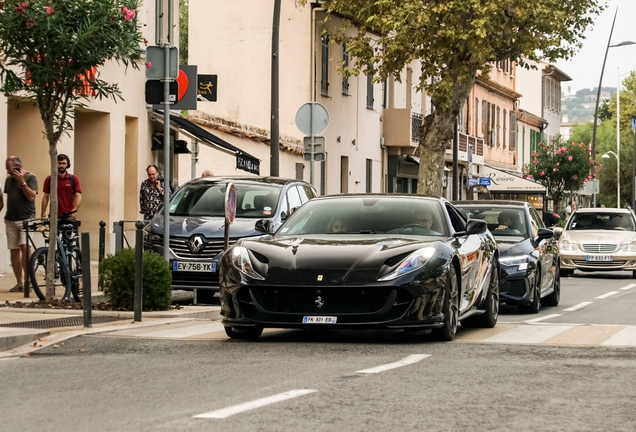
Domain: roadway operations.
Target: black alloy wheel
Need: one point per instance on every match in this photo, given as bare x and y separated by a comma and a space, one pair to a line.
553, 298
535, 304
450, 309
489, 318
244, 333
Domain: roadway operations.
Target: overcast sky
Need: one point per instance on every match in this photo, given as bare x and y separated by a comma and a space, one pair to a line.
585, 67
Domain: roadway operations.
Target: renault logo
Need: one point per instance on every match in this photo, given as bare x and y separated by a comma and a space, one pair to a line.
196, 244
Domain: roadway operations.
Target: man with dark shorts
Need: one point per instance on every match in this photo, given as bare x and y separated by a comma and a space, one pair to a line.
69, 191
21, 188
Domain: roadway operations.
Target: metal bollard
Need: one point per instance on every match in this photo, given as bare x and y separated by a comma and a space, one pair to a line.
86, 280
27, 286
139, 269
102, 251
118, 230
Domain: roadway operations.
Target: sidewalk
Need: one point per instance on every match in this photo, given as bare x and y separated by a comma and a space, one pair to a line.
23, 330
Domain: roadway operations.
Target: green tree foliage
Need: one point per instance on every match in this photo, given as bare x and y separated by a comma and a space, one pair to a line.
183, 32
561, 167
48, 49
454, 41
119, 280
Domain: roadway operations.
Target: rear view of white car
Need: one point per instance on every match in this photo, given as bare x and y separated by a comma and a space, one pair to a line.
600, 239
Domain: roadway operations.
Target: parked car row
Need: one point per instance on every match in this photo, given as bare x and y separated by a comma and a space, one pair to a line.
376, 260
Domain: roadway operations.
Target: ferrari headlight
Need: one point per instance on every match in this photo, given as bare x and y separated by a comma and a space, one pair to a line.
413, 262
241, 261
629, 247
565, 245
521, 261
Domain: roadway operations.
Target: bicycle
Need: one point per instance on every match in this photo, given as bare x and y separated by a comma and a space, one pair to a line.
67, 277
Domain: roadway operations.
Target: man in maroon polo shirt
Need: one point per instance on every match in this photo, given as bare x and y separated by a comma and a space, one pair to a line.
69, 191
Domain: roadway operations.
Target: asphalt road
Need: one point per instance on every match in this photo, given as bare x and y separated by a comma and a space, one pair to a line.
326, 381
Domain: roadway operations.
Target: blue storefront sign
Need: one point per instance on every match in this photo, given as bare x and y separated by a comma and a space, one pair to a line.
484, 181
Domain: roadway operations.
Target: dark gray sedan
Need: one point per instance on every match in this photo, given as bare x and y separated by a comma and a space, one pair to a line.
197, 218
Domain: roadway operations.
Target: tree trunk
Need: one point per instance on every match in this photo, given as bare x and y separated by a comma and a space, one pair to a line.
436, 132
50, 268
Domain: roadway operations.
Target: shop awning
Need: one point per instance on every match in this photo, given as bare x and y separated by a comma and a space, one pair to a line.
244, 161
504, 181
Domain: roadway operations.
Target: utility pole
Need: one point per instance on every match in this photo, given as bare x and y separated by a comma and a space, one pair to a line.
274, 131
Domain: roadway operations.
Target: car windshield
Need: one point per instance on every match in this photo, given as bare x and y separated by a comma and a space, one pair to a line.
367, 215
207, 199
601, 221
502, 221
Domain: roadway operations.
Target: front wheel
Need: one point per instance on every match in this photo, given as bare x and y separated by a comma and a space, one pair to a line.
244, 333
553, 299
535, 304
489, 318
450, 309
37, 273
75, 262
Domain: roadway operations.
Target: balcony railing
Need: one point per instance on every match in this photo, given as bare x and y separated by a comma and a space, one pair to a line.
416, 124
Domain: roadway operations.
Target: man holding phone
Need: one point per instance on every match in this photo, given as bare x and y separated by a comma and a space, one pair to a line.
20, 187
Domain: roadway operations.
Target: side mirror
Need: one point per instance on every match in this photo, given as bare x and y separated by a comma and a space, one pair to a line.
545, 233
265, 226
473, 226
551, 218
557, 233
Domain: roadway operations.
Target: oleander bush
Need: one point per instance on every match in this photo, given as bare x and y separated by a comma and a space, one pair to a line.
118, 280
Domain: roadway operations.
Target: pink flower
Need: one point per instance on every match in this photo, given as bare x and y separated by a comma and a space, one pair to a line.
600, 165
25, 5
554, 169
570, 158
49, 10
564, 149
148, 64
575, 177
128, 13
535, 162
558, 163
585, 180
530, 176
594, 174
542, 173
19, 10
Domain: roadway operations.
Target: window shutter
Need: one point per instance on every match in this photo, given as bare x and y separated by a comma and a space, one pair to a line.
513, 129
324, 67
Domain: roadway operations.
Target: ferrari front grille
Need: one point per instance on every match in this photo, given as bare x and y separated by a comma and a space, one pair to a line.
327, 300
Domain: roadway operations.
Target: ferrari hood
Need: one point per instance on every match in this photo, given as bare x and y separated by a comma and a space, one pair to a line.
339, 259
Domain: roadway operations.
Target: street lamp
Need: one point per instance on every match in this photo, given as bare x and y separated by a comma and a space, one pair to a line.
600, 82
618, 176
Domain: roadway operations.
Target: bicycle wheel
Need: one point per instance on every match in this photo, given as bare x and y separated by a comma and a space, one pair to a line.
75, 267
37, 272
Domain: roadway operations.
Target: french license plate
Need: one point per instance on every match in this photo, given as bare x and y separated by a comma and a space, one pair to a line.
194, 267
319, 320
599, 258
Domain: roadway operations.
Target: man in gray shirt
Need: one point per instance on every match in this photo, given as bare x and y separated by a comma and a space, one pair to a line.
20, 187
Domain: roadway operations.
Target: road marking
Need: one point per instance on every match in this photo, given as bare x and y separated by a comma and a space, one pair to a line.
606, 295
413, 358
528, 334
624, 337
542, 318
627, 287
248, 406
183, 332
577, 307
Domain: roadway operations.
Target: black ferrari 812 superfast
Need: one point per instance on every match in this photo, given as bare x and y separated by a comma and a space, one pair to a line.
403, 262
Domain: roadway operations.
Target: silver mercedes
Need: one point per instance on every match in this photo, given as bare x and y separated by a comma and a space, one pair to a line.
598, 239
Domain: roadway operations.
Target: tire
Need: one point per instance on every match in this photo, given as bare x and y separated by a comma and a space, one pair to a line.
553, 299
565, 272
450, 309
244, 333
37, 274
535, 305
634, 274
489, 318
77, 283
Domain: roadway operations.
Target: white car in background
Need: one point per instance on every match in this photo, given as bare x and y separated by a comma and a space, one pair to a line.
598, 239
